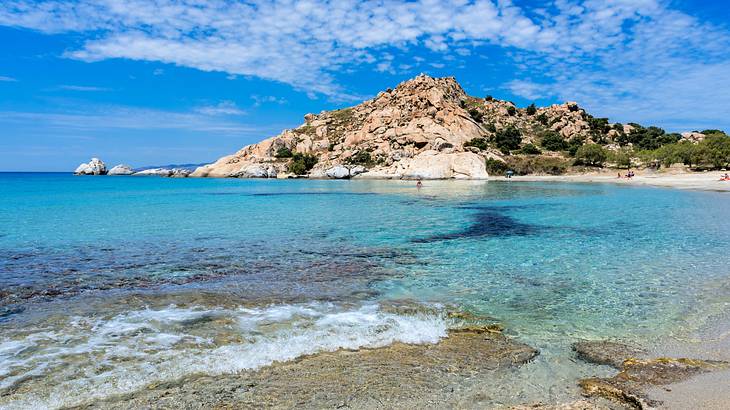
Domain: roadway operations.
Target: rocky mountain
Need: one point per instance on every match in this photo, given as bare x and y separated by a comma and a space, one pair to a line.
424, 128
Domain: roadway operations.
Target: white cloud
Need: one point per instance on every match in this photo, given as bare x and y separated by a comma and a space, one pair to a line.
605, 53
222, 108
267, 99
158, 71
81, 88
7, 79
97, 119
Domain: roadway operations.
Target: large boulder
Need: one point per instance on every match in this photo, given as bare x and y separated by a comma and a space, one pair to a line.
436, 165
338, 172
93, 167
121, 169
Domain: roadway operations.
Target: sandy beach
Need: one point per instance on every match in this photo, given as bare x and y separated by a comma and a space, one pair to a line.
705, 181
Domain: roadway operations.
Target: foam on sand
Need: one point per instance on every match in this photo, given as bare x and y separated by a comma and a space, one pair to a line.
91, 358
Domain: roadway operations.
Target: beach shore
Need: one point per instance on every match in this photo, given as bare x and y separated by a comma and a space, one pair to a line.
704, 181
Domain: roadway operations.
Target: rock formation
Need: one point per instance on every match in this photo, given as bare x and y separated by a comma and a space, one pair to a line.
121, 169
164, 172
93, 167
424, 128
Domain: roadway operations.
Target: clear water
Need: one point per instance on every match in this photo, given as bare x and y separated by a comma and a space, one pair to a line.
110, 283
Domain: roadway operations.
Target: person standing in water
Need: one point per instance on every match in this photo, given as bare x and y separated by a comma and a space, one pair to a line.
419, 184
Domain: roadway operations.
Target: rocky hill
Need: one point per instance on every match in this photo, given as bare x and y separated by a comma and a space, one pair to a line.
424, 128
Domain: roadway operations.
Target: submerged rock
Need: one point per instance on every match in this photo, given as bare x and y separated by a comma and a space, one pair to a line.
628, 386
398, 375
93, 167
121, 169
606, 352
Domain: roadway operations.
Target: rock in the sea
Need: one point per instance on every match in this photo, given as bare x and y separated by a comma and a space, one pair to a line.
253, 171
156, 172
628, 386
606, 352
121, 169
396, 376
94, 167
180, 173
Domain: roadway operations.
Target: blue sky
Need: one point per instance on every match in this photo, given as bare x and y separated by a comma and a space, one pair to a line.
149, 82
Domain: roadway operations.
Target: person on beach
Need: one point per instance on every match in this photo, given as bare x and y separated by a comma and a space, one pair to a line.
619, 175
419, 184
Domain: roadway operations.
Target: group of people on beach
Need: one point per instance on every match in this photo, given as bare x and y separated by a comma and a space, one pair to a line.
629, 175
725, 177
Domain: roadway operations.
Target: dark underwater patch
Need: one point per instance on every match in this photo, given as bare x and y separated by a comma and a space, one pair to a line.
488, 222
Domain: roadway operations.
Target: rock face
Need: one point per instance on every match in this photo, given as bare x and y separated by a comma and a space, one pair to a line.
93, 167
121, 169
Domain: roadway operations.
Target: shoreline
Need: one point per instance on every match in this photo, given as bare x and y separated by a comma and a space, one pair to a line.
705, 181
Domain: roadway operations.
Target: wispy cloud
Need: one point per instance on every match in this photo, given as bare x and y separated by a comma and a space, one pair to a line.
222, 108
7, 79
97, 119
82, 88
267, 99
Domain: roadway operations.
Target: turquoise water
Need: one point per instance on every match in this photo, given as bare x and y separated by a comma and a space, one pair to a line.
109, 283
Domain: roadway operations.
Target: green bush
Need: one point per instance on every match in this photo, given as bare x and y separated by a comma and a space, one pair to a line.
508, 139
531, 109
300, 164
552, 141
591, 154
488, 98
511, 110
361, 158
480, 143
522, 165
574, 145
283, 152
542, 119
649, 138
491, 127
622, 158
475, 114
529, 149
496, 167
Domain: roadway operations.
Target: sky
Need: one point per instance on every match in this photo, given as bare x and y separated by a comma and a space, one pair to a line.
153, 82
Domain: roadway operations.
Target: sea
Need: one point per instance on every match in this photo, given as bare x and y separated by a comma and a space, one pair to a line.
109, 284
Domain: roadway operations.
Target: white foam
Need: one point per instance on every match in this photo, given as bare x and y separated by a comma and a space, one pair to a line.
124, 353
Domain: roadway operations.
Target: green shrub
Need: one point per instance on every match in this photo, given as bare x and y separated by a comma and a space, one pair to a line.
511, 110
508, 139
480, 143
361, 158
475, 114
649, 138
537, 165
529, 149
283, 152
300, 164
622, 157
591, 154
531, 109
488, 98
491, 127
574, 144
542, 119
552, 141
496, 167
710, 132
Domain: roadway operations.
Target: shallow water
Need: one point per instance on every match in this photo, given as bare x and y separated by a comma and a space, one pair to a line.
110, 283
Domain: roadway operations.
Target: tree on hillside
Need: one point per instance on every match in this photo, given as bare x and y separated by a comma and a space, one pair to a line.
591, 154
